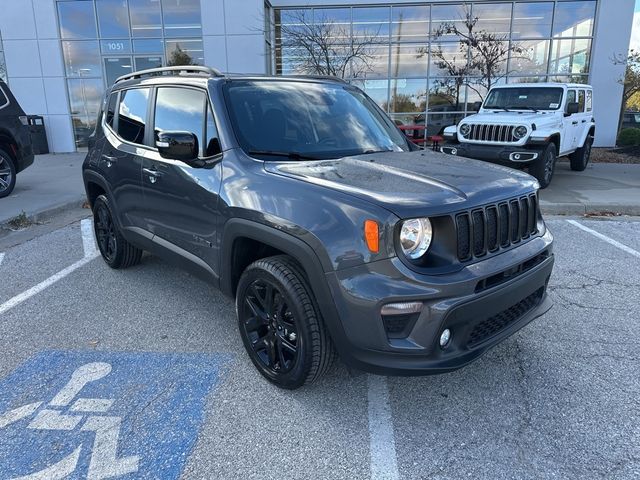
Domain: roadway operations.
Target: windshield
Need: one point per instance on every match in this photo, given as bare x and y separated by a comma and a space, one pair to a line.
524, 98
308, 120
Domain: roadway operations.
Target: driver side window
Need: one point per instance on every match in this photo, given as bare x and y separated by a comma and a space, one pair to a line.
571, 98
183, 110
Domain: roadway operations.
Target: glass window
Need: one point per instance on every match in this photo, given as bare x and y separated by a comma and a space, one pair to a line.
448, 59
377, 90
571, 98
581, 100
113, 18
110, 47
132, 114
409, 60
493, 18
185, 52
82, 59
446, 94
574, 19
181, 18
410, 24
85, 96
110, 114
448, 18
83, 127
153, 45
145, 63
77, 20
115, 67
532, 20
529, 57
589, 100
375, 65
180, 109
570, 56
213, 146
525, 98
408, 95
371, 23
145, 18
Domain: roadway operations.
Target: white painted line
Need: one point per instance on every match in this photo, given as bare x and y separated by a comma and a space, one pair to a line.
18, 299
19, 413
382, 444
88, 241
1, 258
611, 241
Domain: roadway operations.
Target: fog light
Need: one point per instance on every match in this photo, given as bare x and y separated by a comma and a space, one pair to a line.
454, 151
516, 156
445, 337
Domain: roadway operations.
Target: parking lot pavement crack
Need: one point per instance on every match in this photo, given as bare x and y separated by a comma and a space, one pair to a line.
526, 422
572, 303
152, 401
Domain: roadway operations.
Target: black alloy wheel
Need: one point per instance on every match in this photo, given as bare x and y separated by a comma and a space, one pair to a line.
105, 232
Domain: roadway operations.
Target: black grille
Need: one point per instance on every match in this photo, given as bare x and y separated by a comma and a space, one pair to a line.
496, 226
492, 133
493, 325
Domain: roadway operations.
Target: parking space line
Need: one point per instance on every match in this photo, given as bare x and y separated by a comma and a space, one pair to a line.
382, 445
18, 299
88, 242
609, 240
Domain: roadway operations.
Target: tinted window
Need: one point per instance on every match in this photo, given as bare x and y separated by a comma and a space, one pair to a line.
581, 100
180, 109
111, 109
589, 100
571, 97
132, 114
213, 142
538, 98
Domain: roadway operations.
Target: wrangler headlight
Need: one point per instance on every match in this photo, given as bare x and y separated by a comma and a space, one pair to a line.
465, 128
415, 237
520, 132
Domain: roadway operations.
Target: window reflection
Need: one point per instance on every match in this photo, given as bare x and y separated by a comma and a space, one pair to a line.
154, 45
180, 109
371, 23
181, 18
185, 52
448, 58
446, 94
85, 96
77, 20
407, 95
145, 63
113, 18
494, 18
145, 18
573, 19
132, 114
115, 67
532, 20
445, 18
410, 24
531, 59
376, 89
82, 59
570, 56
409, 60
375, 65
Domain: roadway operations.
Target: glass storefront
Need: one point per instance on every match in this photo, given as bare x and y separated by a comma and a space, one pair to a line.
104, 39
417, 63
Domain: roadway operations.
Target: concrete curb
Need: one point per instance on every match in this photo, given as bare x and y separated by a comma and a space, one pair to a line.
549, 208
41, 215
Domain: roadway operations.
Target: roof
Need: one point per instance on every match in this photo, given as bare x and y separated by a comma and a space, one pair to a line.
543, 84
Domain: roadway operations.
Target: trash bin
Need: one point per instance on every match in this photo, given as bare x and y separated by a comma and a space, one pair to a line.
38, 134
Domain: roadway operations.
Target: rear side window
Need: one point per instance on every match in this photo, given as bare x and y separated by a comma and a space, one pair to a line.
132, 114
581, 100
4, 101
181, 109
589, 100
111, 109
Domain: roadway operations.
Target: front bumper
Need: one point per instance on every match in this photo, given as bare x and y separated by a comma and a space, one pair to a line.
477, 320
508, 155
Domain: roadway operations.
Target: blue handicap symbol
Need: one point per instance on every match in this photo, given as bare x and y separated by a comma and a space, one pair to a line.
102, 414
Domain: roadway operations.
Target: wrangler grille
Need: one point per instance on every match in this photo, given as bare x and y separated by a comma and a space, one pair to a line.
498, 322
492, 133
488, 229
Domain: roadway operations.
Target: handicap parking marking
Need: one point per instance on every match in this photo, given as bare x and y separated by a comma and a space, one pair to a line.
103, 414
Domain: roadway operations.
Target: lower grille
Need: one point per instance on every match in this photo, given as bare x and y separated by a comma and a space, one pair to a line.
493, 325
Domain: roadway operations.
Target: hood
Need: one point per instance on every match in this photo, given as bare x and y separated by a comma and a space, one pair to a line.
412, 184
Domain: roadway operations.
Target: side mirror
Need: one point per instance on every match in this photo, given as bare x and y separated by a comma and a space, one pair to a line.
181, 146
572, 107
476, 106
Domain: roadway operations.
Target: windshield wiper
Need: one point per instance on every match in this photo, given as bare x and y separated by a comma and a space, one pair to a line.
498, 108
289, 155
524, 107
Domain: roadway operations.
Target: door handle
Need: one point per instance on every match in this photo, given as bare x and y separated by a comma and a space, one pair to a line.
153, 174
584, 121
574, 123
110, 160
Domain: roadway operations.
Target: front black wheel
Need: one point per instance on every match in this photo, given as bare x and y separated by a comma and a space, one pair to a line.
115, 250
280, 325
580, 158
544, 166
7, 174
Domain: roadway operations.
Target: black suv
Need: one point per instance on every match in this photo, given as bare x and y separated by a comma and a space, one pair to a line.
16, 151
299, 197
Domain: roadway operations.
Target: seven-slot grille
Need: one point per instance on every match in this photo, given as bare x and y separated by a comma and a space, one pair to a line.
491, 133
490, 228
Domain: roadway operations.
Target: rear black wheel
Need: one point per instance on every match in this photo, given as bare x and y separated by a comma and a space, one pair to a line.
580, 158
544, 166
7, 174
280, 325
115, 250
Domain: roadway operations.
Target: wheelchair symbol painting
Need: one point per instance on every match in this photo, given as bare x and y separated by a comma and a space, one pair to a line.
109, 415
103, 463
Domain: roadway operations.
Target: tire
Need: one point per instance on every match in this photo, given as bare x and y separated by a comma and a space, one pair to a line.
7, 174
274, 301
544, 166
115, 250
580, 158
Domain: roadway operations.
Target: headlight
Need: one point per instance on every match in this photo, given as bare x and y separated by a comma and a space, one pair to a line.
415, 237
520, 132
465, 128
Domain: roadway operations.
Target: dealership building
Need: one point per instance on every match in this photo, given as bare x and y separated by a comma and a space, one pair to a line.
59, 56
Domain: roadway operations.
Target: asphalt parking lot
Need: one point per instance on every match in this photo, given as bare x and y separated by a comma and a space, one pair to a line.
141, 374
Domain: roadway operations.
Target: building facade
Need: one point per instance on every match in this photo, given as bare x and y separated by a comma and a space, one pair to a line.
423, 62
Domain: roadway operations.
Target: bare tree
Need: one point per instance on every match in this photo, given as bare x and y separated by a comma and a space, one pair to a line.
630, 81
486, 53
325, 47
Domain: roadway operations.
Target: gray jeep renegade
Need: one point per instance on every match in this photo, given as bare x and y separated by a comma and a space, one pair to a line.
299, 197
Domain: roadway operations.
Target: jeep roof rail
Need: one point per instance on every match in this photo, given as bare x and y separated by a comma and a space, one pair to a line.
179, 69
319, 77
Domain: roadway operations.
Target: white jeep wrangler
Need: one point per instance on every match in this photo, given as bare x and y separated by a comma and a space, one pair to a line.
528, 125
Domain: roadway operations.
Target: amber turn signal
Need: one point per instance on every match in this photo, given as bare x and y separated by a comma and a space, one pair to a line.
372, 235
